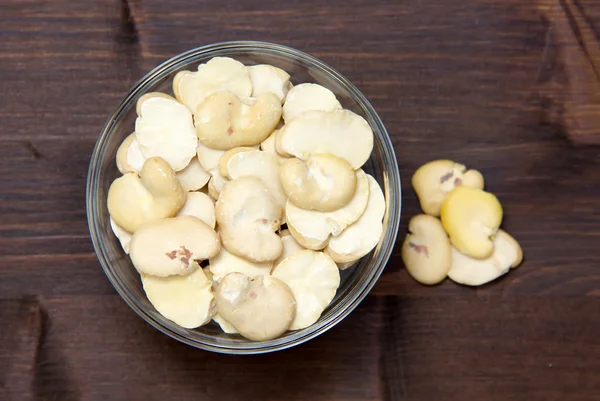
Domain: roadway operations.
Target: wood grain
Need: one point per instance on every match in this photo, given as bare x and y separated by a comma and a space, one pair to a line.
471, 81
500, 349
574, 85
20, 334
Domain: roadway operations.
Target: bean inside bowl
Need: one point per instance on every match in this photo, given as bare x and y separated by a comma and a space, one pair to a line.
356, 281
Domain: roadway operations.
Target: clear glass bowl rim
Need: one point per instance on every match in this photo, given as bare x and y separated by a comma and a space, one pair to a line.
392, 188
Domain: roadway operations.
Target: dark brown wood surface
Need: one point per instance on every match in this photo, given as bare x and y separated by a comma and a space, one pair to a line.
476, 81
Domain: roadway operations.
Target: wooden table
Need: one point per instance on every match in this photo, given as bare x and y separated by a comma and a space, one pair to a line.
475, 81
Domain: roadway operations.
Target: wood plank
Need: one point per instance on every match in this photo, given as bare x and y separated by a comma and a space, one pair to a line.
495, 349
573, 82
20, 335
63, 67
153, 365
546, 206
430, 69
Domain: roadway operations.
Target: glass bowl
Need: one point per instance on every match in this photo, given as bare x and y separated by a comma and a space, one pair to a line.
355, 281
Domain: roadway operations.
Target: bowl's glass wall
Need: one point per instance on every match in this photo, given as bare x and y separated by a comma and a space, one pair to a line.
356, 281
